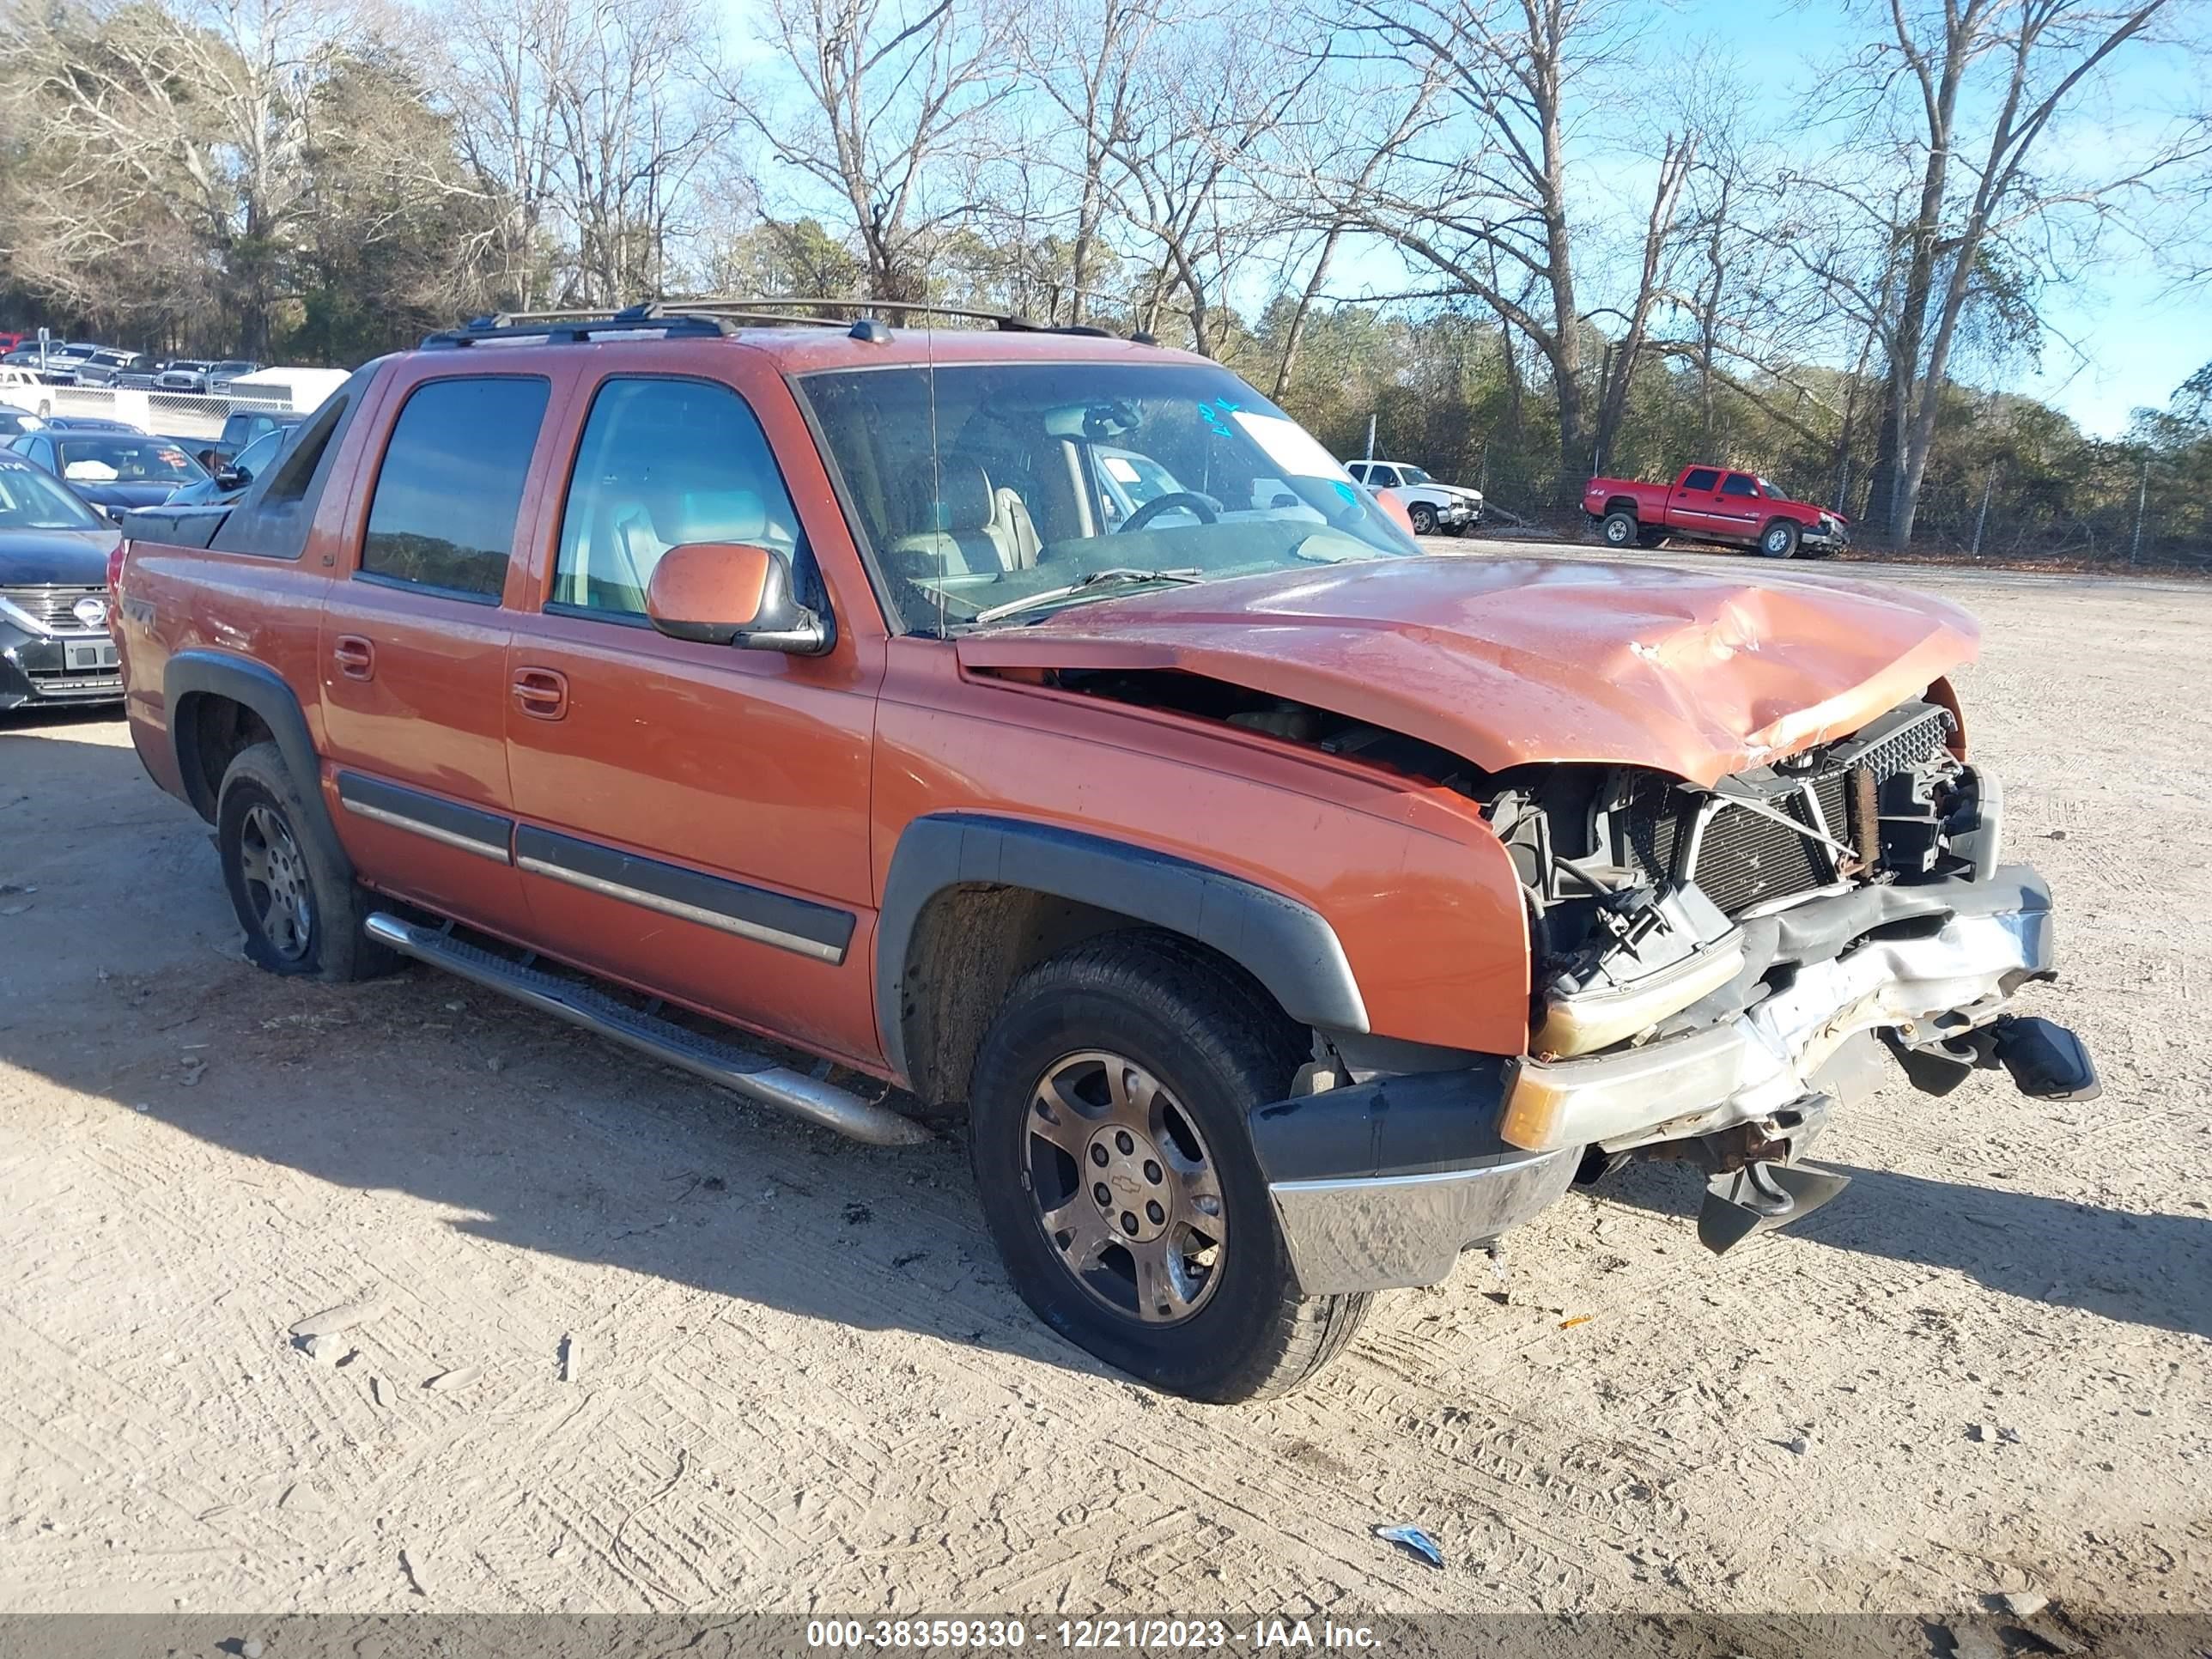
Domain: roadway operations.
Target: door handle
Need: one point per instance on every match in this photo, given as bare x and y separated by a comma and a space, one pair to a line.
541, 693
354, 656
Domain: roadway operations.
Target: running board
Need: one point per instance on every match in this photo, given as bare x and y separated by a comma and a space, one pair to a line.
754, 1076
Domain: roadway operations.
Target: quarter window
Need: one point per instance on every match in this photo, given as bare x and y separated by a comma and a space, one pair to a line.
663, 463
1701, 478
451, 485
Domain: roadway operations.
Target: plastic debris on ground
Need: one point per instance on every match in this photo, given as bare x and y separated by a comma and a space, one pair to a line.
1414, 1541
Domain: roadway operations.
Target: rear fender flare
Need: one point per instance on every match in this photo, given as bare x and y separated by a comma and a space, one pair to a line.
257, 686
1290, 948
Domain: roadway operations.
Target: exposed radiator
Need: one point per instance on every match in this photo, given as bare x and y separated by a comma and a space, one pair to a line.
1744, 857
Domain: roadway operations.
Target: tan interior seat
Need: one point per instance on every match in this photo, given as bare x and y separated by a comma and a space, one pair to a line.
975, 528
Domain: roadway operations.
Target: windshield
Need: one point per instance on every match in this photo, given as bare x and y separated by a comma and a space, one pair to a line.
1414, 475
31, 501
1031, 481
121, 459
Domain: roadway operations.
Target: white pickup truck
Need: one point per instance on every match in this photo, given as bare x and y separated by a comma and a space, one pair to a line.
1432, 506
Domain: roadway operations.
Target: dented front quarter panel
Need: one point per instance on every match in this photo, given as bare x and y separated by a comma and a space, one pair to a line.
1510, 661
1421, 895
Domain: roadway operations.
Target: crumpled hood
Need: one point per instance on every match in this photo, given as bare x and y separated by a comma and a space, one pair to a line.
1505, 661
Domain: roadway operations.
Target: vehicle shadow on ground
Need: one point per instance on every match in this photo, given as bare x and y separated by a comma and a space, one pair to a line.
2152, 1270
123, 979
529, 1134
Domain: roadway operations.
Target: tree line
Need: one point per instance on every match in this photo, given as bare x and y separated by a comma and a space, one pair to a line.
1530, 238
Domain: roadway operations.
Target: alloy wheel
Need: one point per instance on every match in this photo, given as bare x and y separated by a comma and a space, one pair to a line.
275, 875
1127, 1190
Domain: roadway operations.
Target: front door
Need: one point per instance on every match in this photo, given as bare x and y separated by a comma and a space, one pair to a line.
414, 649
1738, 512
1695, 506
693, 818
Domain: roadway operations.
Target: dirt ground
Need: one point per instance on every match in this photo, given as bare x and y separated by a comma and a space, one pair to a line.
800, 1381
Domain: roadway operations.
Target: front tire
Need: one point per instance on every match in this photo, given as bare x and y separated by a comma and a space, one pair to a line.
301, 914
1619, 529
1778, 540
1424, 517
1117, 1176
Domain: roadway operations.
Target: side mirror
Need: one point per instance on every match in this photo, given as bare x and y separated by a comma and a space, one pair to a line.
232, 477
732, 593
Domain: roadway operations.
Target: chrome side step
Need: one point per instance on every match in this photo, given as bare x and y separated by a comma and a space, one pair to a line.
754, 1076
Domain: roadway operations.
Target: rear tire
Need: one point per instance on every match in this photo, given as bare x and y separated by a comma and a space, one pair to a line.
1778, 540
1114, 1083
301, 914
1619, 529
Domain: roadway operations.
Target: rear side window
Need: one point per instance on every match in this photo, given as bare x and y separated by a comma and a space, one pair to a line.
663, 463
1701, 477
451, 485
279, 509
1739, 483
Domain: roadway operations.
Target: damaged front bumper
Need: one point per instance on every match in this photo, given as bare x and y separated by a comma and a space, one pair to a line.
1382, 1184
1931, 962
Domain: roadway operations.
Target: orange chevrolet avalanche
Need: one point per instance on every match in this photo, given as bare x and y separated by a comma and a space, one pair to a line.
1039, 732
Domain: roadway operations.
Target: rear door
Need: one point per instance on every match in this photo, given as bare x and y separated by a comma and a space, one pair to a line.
694, 819
414, 641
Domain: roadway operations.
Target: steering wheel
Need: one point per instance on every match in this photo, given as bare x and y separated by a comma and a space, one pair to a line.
1203, 508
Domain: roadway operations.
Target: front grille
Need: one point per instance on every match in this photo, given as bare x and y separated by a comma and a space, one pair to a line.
1744, 857
77, 685
1908, 745
50, 607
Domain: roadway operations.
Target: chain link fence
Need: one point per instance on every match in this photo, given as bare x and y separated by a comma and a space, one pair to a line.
171, 414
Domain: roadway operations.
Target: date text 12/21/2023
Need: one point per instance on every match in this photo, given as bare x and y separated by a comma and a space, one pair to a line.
1133, 1635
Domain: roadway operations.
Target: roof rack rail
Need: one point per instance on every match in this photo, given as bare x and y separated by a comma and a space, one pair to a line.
722, 314
717, 305
574, 324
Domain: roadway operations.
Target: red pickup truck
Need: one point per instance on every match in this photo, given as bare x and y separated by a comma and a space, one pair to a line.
1712, 504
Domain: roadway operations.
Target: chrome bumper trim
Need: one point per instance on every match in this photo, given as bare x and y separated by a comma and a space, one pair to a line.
1766, 1057
1393, 1232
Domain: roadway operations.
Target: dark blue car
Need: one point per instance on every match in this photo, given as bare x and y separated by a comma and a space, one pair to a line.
113, 471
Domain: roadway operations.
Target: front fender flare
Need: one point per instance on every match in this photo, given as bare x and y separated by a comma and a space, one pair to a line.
1289, 947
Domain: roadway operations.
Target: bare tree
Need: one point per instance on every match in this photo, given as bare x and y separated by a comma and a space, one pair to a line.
1326, 171
587, 121
1962, 94
897, 96
1088, 59
1495, 199
1183, 158
195, 120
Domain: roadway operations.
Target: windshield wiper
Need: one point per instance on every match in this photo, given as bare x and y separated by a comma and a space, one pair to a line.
1114, 578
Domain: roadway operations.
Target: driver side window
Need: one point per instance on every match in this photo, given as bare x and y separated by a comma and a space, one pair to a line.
663, 463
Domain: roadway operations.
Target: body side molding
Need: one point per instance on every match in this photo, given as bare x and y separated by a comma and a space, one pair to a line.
822, 932
471, 828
